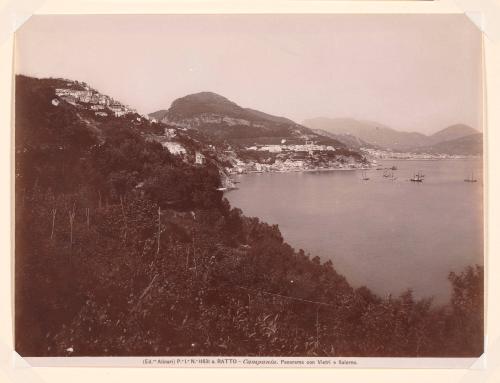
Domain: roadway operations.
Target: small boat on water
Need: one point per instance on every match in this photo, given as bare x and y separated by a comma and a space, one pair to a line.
419, 177
226, 188
471, 178
394, 167
364, 177
389, 174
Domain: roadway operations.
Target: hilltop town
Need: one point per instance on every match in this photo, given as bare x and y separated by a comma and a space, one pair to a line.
79, 94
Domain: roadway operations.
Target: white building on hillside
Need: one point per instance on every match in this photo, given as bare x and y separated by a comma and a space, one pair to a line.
174, 147
199, 158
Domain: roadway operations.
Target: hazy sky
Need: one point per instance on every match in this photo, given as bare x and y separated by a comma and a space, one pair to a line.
411, 72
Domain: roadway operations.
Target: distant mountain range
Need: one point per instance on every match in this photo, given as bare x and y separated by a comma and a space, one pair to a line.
455, 139
371, 132
468, 145
220, 118
347, 139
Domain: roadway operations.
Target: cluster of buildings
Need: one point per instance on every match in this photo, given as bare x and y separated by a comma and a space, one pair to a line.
309, 147
101, 104
294, 165
294, 158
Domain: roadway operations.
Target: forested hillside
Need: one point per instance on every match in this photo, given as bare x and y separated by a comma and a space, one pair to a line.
220, 118
124, 249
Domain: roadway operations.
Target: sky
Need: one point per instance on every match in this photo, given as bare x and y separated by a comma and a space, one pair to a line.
411, 72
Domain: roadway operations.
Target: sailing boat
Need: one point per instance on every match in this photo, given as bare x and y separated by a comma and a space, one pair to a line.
471, 178
364, 177
417, 177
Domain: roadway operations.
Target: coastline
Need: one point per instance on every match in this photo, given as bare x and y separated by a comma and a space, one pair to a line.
308, 170
358, 168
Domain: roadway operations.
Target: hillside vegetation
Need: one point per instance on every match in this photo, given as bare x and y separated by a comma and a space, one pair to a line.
218, 117
125, 249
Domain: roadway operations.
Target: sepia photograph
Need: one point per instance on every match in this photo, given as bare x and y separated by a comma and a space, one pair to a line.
236, 185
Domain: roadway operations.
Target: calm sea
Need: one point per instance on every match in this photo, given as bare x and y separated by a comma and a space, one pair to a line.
387, 235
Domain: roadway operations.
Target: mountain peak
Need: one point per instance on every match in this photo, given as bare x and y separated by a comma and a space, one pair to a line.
215, 115
453, 132
203, 102
207, 95
197, 104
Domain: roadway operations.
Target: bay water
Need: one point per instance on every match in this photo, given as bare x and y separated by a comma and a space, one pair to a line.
388, 235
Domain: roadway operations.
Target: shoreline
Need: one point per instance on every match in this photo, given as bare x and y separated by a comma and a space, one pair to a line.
366, 168
360, 168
